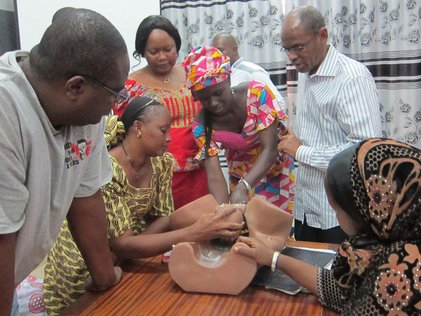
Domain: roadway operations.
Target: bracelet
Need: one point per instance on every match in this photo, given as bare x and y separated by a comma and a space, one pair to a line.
274, 260
246, 184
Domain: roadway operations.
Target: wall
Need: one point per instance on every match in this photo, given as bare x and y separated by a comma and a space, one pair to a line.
35, 16
7, 5
8, 27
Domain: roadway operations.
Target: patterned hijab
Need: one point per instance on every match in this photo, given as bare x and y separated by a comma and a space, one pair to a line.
378, 183
206, 66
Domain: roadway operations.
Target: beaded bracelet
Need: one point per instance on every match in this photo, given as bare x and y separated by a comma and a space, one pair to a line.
274, 260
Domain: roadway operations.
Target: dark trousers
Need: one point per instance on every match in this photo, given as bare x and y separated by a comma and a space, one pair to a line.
304, 232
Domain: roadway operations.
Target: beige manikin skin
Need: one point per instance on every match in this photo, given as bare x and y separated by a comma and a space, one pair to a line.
208, 267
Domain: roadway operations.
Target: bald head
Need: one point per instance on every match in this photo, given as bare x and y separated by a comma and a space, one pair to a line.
79, 41
60, 13
227, 44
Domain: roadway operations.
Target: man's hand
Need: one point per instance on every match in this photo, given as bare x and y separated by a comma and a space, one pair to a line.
91, 286
289, 143
88, 225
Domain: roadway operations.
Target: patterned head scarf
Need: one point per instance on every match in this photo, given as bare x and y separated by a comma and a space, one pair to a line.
381, 185
206, 66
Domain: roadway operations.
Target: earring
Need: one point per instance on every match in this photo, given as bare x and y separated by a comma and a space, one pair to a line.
232, 91
138, 131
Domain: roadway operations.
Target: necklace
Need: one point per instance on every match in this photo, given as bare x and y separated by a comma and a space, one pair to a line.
130, 161
167, 79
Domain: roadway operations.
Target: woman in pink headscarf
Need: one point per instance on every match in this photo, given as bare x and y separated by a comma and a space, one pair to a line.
245, 120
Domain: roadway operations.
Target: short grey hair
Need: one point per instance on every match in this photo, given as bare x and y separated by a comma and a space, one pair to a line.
310, 17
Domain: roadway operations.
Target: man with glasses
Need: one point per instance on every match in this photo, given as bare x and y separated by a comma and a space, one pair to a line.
53, 159
337, 105
119, 96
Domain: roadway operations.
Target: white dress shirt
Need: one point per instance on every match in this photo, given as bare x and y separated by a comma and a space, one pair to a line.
336, 107
246, 71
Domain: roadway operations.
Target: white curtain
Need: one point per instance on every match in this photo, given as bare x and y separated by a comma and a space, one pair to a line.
384, 35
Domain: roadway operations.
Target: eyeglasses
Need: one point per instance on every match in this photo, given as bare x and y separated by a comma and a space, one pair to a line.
119, 96
298, 48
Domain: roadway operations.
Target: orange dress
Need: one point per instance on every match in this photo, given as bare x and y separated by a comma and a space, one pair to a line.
183, 109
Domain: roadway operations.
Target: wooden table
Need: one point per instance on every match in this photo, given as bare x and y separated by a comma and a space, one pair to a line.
147, 289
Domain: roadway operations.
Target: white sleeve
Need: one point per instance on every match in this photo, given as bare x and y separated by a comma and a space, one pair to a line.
239, 76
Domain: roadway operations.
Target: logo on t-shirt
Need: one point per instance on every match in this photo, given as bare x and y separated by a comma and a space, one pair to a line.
75, 152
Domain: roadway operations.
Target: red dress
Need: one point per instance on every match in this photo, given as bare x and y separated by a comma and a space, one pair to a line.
189, 179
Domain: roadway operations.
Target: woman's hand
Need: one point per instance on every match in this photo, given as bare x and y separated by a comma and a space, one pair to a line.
299, 271
240, 194
226, 223
257, 250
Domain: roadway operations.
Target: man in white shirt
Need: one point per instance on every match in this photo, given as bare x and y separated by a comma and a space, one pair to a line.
337, 105
241, 70
52, 100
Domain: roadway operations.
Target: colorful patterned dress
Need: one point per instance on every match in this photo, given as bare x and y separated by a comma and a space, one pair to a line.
242, 150
183, 110
127, 208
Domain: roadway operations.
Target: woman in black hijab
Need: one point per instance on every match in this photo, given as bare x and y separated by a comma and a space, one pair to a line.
375, 189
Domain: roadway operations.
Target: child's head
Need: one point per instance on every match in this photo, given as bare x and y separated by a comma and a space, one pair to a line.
375, 186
